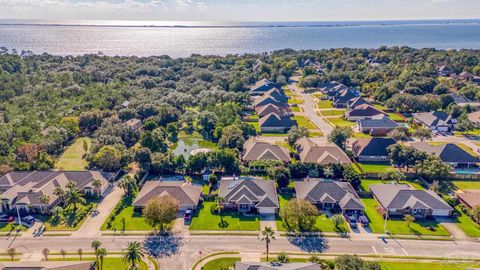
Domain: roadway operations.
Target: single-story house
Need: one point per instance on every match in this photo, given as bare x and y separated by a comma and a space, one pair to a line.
399, 200
356, 102
134, 123
461, 100
372, 149
254, 149
270, 108
469, 198
474, 117
444, 70
343, 97
247, 195
187, 195
466, 76
309, 152
332, 88
276, 266
376, 127
364, 111
263, 86
275, 123
449, 153
277, 94
330, 195
23, 189
265, 100
437, 120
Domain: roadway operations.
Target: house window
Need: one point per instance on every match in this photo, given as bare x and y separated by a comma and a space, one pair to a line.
244, 207
415, 211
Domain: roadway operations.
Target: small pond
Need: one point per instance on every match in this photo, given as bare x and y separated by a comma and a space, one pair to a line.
185, 146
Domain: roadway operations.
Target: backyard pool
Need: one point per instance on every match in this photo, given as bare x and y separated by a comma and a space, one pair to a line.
467, 171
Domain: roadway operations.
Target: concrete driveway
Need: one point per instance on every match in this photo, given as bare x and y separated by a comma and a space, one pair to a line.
268, 221
452, 228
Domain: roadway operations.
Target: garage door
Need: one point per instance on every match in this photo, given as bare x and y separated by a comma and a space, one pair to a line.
265, 210
441, 213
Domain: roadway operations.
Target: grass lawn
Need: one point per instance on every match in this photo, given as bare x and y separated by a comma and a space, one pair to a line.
6, 227
361, 135
317, 95
380, 107
70, 220
73, 158
331, 112
427, 266
302, 121
295, 101
461, 145
315, 134
324, 104
367, 182
109, 263
466, 185
204, 219
396, 117
134, 221
466, 224
340, 122
295, 108
397, 226
273, 134
374, 167
256, 125
221, 263
475, 132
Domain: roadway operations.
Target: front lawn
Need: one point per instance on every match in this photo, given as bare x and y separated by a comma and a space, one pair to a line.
331, 112
109, 263
466, 224
71, 219
73, 159
134, 221
302, 121
427, 265
397, 117
340, 122
466, 185
396, 226
7, 227
295, 101
374, 167
361, 135
221, 263
324, 104
365, 184
475, 132
204, 219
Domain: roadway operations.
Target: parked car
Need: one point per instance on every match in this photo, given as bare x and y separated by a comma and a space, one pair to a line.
363, 220
352, 222
187, 217
29, 220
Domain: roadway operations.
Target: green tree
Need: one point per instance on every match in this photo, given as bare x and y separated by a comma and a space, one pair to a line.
232, 137
74, 197
408, 219
422, 133
295, 133
282, 257
464, 125
475, 213
337, 221
96, 245
393, 175
433, 169
160, 211
97, 184
280, 174
340, 135
133, 253
129, 185
299, 216
71, 125
101, 253
268, 235
44, 200
399, 133
108, 158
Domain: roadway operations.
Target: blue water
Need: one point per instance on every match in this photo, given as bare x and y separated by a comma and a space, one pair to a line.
179, 39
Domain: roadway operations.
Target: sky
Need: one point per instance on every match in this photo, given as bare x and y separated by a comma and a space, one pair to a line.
239, 10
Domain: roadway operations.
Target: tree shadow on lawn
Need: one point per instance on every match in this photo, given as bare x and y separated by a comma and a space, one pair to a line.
163, 245
316, 244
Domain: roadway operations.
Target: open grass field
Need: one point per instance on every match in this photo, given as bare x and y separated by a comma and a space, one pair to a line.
324, 104
221, 263
374, 167
73, 157
396, 226
331, 112
204, 219
302, 121
340, 122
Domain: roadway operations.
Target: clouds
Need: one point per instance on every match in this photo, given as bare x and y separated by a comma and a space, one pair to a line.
239, 10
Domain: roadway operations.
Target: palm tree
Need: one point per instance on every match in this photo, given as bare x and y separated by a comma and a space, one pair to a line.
80, 253
128, 184
96, 245
133, 253
101, 253
71, 185
96, 185
44, 200
74, 196
60, 193
328, 172
268, 235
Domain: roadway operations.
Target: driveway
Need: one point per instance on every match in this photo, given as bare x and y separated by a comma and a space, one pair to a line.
268, 221
93, 224
452, 228
309, 108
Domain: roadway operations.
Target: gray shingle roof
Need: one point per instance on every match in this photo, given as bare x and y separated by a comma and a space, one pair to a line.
383, 122
365, 110
372, 146
318, 190
310, 152
263, 86
436, 118
186, 194
258, 191
270, 108
402, 196
274, 120
450, 153
276, 266
259, 150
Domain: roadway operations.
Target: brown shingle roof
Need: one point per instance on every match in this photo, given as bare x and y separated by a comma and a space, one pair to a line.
310, 152
186, 194
274, 120
470, 198
253, 149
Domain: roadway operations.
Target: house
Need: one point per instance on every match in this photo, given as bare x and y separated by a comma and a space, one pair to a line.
270, 108
376, 127
461, 100
125, 104
253, 149
364, 111
399, 200
470, 199
265, 100
262, 86
330, 195
23, 189
249, 195
257, 66
444, 70
474, 117
277, 94
49, 265
308, 62
449, 153
310, 152
437, 120
465, 76
276, 266
356, 102
186, 194
343, 97
275, 123
134, 123
372, 149
476, 80
332, 88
